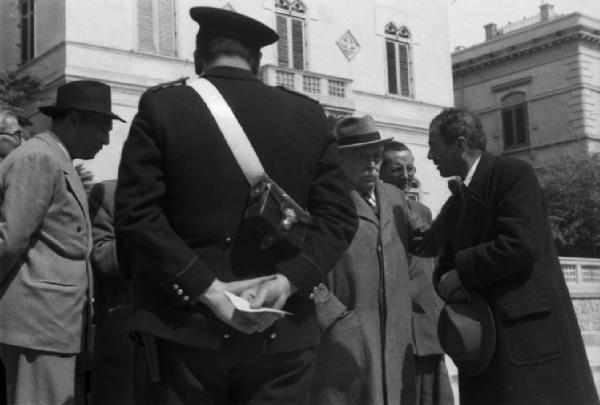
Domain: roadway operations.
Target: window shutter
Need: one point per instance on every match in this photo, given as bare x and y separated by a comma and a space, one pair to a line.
298, 43
521, 124
404, 77
24, 31
166, 28
507, 125
145, 25
391, 67
282, 45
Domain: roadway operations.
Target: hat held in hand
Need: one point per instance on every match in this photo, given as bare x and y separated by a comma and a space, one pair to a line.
82, 95
467, 334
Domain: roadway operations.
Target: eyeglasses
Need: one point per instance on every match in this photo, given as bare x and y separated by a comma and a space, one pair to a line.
17, 134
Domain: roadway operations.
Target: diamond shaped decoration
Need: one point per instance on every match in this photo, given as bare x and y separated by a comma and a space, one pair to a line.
348, 45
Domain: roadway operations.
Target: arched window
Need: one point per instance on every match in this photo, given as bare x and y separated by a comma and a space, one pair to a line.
397, 48
290, 20
515, 120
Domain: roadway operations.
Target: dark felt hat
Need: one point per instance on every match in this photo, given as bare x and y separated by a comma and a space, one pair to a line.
354, 132
82, 95
230, 24
467, 334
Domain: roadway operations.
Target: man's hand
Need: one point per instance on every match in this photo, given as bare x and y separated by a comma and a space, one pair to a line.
86, 176
451, 289
214, 297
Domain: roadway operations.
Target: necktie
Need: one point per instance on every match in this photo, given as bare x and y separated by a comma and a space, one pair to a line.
370, 199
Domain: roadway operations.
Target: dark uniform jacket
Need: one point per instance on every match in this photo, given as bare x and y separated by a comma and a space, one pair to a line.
502, 247
181, 198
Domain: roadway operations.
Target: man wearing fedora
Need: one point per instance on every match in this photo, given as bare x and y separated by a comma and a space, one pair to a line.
180, 203
509, 324
365, 310
44, 248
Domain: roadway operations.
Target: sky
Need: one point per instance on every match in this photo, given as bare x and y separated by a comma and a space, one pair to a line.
467, 17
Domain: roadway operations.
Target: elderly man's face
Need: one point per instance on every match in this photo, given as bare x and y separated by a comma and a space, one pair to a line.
10, 133
361, 166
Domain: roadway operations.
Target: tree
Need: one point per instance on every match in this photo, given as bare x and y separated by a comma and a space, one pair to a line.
17, 92
572, 189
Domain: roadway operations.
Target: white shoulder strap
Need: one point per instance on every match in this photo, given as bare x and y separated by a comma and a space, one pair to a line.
232, 130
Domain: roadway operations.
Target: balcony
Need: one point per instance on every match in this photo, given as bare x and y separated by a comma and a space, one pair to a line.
332, 92
582, 275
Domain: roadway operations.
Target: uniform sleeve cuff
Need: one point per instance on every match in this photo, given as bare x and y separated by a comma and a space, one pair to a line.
189, 283
302, 272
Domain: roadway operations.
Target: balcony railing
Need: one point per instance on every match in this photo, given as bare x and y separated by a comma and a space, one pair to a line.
328, 90
581, 274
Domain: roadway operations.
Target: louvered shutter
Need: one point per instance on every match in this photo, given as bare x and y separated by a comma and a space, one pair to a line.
404, 76
166, 28
391, 67
298, 43
521, 124
283, 58
145, 25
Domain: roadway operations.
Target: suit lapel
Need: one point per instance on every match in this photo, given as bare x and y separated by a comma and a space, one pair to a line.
363, 209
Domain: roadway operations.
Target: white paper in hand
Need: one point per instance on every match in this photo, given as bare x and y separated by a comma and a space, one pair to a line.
242, 305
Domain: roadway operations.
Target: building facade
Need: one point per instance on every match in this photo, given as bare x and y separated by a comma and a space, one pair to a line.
386, 58
536, 86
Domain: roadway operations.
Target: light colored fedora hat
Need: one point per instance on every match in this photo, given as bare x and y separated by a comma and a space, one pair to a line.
354, 132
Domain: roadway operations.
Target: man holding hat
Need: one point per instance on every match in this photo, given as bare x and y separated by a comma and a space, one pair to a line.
509, 324
180, 203
367, 355
44, 248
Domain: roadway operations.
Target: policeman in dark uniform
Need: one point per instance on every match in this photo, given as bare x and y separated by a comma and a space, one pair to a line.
180, 203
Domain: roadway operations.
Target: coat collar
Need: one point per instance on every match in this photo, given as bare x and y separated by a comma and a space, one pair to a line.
384, 206
229, 72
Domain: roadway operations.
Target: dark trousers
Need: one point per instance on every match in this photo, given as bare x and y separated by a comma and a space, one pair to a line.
433, 382
238, 373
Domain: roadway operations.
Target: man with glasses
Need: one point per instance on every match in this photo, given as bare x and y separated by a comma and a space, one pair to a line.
433, 384
10, 133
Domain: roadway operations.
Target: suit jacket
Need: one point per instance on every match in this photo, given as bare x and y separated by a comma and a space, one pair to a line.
44, 248
425, 301
502, 247
366, 357
181, 198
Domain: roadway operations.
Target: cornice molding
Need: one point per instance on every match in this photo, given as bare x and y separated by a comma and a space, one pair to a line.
534, 45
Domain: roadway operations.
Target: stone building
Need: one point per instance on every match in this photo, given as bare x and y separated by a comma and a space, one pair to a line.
536, 85
386, 58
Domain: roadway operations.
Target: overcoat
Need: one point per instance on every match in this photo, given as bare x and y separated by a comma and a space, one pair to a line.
367, 356
181, 198
45, 242
502, 247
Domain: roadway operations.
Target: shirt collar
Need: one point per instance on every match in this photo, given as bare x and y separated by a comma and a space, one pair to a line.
471, 172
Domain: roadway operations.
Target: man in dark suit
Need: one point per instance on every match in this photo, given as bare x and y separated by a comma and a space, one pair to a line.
433, 383
180, 203
500, 246
112, 369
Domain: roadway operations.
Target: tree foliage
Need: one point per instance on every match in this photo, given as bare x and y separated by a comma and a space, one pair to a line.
17, 92
572, 190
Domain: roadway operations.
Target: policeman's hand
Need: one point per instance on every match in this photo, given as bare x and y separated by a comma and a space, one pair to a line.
214, 297
86, 176
273, 293
451, 289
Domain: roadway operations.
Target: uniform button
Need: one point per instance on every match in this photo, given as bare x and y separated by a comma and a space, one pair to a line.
180, 292
226, 336
175, 286
226, 243
186, 298
273, 335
